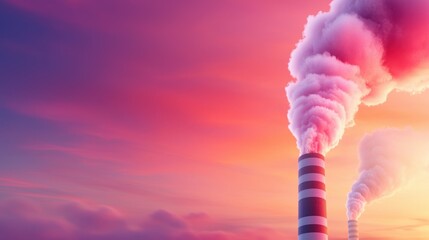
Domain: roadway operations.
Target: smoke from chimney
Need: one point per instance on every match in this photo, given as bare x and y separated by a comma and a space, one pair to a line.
389, 158
357, 52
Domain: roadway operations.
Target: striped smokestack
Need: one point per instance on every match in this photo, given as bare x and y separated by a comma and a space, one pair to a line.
312, 222
353, 230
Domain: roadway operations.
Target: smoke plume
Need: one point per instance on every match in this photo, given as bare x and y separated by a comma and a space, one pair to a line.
358, 52
389, 158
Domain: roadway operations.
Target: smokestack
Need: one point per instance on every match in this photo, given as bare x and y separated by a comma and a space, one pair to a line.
353, 230
312, 221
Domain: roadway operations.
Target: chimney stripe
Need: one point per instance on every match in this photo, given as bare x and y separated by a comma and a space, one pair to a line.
312, 220
311, 169
312, 206
311, 177
311, 193
311, 185
312, 228
311, 162
311, 155
313, 236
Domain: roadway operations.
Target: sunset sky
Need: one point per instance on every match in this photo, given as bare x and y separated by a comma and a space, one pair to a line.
166, 120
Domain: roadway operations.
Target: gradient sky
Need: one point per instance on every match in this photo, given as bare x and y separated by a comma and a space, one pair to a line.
166, 120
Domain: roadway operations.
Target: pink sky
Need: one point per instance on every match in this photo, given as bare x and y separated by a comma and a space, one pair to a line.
167, 120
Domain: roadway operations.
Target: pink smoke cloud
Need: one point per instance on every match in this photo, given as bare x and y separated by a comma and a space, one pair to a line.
389, 159
358, 52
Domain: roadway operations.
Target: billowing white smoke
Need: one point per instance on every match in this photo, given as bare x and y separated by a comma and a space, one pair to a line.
389, 158
357, 52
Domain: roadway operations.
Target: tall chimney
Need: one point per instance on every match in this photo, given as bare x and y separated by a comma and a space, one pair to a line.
312, 221
353, 230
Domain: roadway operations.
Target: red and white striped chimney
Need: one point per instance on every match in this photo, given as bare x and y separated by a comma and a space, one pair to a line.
353, 230
312, 221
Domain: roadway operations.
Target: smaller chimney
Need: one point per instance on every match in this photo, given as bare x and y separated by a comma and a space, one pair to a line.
353, 230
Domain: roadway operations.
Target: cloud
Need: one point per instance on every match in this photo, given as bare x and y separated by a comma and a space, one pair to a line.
25, 220
93, 220
165, 219
22, 220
